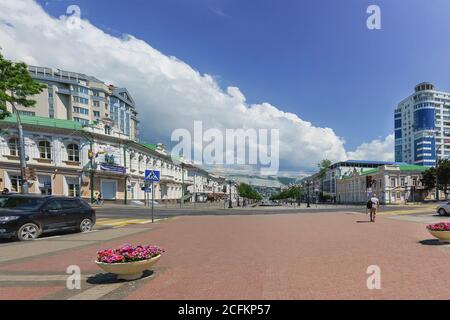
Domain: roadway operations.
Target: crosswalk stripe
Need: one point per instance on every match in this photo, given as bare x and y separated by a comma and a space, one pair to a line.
120, 222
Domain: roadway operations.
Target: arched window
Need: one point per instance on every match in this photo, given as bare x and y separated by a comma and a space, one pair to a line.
13, 145
45, 151
73, 152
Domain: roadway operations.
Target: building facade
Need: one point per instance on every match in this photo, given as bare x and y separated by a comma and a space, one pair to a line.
63, 156
393, 184
83, 99
422, 126
314, 185
81, 139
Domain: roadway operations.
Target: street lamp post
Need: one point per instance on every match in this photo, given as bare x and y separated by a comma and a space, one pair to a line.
308, 205
230, 202
437, 178
182, 185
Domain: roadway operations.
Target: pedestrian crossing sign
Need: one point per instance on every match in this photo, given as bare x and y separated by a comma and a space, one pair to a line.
152, 175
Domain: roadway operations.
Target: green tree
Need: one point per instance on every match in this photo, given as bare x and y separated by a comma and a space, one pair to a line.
323, 165
293, 193
443, 174
16, 86
248, 192
429, 178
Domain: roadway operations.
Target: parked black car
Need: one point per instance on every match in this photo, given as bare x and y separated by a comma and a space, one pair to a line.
26, 217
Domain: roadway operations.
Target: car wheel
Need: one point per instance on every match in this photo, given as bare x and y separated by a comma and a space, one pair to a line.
85, 225
442, 212
28, 231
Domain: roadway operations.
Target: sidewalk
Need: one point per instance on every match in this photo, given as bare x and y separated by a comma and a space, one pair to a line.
284, 256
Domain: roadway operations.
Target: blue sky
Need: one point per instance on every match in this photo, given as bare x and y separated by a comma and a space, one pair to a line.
313, 58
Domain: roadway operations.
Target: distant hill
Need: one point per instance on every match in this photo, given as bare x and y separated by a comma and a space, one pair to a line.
270, 181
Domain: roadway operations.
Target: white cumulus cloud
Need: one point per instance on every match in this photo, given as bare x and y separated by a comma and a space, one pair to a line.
169, 93
377, 149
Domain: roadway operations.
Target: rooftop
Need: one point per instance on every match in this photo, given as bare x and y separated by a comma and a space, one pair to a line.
402, 167
44, 122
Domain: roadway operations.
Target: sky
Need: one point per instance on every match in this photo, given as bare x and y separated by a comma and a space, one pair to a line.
311, 68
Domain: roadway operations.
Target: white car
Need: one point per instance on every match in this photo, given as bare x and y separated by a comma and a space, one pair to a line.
443, 209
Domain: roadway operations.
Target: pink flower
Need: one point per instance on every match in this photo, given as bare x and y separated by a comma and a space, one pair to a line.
129, 253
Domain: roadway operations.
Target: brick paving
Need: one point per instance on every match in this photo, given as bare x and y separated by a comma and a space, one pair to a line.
284, 256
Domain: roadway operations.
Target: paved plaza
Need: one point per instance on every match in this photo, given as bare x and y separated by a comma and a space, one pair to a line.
319, 255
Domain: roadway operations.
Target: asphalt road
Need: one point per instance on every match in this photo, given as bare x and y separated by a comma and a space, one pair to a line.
143, 212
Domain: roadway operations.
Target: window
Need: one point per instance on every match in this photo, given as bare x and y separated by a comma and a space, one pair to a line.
53, 205
80, 100
393, 182
107, 130
97, 114
73, 152
45, 151
96, 104
96, 93
16, 183
402, 182
80, 120
74, 190
13, 144
69, 204
81, 110
23, 203
28, 113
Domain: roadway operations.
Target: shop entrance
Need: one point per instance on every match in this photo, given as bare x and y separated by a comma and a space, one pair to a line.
108, 188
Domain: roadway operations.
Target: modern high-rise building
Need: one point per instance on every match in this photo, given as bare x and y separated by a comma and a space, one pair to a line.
422, 126
84, 99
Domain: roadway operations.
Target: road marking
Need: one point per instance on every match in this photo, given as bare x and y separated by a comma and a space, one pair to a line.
121, 222
97, 292
34, 278
411, 211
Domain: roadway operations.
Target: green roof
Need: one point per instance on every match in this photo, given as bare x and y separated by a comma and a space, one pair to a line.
45, 122
371, 171
412, 167
149, 146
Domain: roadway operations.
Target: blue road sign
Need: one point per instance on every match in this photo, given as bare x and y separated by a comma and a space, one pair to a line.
152, 175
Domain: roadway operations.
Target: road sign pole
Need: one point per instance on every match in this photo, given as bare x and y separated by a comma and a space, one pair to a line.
153, 196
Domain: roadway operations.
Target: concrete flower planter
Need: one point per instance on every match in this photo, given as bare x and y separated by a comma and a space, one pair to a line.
443, 236
130, 270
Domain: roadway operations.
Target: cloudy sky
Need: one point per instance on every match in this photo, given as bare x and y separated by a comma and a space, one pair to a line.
285, 66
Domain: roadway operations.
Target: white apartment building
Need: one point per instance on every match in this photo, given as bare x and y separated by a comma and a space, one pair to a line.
422, 126
84, 99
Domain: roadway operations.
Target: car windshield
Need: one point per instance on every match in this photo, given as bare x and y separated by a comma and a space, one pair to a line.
20, 203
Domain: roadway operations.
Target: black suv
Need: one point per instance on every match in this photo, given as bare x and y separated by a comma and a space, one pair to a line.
26, 217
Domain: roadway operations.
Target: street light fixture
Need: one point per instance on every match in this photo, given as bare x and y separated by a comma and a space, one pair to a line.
436, 167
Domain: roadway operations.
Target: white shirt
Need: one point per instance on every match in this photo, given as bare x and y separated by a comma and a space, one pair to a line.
375, 201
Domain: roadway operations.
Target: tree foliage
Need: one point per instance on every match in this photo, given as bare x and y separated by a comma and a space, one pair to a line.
443, 174
16, 86
323, 167
291, 193
247, 191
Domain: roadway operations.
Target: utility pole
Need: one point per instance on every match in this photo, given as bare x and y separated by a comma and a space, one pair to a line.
22, 156
182, 185
437, 178
308, 205
230, 202
91, 169
126, 180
